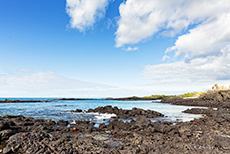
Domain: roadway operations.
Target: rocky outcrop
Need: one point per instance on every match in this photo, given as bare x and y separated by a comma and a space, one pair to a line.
124, 114
210, 134
222, 95
23, 101
62, 122
210, 99
134, 98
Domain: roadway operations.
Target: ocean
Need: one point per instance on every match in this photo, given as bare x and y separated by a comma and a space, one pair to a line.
60, 109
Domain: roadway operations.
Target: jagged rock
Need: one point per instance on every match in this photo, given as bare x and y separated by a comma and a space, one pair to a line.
126, 114
5, 134
62, 123
222, 95
4, 125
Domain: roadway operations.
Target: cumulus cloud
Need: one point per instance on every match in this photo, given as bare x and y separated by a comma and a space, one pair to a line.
201, 27
142, 19
198, 73
84, 13
203, 38
206, 39
165, 58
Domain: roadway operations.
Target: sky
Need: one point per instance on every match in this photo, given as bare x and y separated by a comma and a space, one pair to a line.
112, 48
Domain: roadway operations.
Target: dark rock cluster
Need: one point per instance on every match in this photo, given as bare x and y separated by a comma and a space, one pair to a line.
22, 101
210, 99
210, 134
124, 114
222, 95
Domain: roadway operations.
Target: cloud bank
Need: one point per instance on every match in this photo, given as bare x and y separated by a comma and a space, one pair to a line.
197, 74
84, 13
48, 84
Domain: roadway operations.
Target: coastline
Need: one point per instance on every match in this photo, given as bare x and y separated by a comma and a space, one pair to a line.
209, 134
76, 99
217, 99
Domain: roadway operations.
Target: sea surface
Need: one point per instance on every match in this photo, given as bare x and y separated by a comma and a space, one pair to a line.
60, 109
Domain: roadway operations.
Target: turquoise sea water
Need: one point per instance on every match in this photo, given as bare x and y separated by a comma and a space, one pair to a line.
58, 110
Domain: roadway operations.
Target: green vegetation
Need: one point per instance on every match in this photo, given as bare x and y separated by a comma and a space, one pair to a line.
216, 87
149, 97
159, 96
201, 93
133, 97
193, 94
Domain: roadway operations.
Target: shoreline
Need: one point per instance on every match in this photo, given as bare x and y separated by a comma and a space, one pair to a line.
214, 99
205, 135
29, 100
209, 134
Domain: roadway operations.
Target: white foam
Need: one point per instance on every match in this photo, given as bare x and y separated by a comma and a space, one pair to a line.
101, 116
73, 123
156, 101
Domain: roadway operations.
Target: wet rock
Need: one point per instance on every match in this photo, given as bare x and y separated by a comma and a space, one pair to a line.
106, 109
126, 114
199, 111
116, 136
51, 122
62, 123
184, 131
158, 127
5, 134
4, 125
102, 126
142, 121
225, 116
78, 110
89, 128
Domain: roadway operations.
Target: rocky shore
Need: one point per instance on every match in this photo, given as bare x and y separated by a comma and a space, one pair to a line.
23, 101
215, 99
134, 99
123, 114
210, 134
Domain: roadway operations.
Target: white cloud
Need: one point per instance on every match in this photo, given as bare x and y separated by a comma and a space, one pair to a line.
47, 84
23, 70
142, 19
84, 13
196, 74
203, 27
165, 58
206, 39
132, 49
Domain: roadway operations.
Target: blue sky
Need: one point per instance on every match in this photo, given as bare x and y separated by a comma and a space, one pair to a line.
38, 38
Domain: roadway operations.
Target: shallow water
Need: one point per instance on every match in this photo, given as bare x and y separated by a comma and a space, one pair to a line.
57, 110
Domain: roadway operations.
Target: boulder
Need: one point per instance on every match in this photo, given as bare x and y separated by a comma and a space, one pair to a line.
62, 123
5, 134
4, 125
